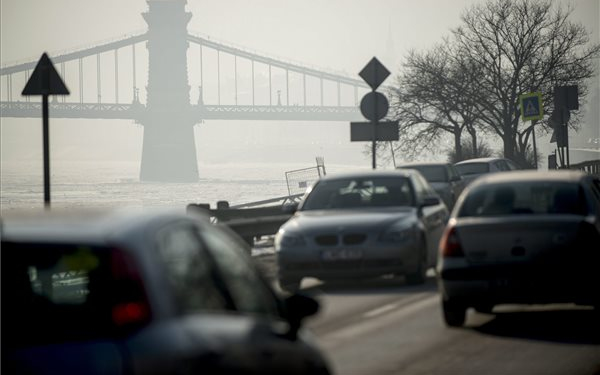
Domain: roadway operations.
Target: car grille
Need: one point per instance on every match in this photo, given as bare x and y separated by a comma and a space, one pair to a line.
354, 239
327, 240
348, 239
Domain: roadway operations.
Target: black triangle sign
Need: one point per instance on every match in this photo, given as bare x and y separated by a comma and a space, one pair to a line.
45, 80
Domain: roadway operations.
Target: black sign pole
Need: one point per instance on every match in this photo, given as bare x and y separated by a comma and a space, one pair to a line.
46, 131
374, 122
533, 124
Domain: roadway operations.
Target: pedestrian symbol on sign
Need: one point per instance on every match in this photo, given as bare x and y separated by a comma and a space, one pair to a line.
531, 106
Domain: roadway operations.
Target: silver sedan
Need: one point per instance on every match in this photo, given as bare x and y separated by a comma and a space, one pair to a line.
521, 237
362, 225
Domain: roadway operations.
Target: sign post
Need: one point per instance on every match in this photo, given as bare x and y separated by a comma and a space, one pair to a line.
374, 106
532, 109
45, 81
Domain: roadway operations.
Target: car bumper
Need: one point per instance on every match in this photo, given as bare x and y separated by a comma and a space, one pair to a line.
375, 262
525, 284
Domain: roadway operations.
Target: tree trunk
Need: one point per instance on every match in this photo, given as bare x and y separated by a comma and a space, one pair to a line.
458, 154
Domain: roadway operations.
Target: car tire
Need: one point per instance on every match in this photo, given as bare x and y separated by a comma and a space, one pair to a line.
290, 285
454, 313
420, 275
484, 308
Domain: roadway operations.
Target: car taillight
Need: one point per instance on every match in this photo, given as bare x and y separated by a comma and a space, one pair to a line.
131, 305
450, 243
130, 313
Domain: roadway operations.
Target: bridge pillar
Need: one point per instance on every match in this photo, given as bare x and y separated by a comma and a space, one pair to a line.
169, 150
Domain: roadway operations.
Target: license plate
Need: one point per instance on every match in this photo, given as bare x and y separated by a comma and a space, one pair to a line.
341, 254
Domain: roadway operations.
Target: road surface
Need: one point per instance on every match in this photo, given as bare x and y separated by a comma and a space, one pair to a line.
387, 327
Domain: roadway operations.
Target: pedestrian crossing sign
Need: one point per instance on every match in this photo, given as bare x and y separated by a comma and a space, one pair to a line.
532, 107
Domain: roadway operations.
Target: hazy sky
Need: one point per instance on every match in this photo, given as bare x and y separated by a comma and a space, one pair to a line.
337, 35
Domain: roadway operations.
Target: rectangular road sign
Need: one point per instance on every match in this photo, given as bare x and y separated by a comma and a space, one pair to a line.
532, 107
363, 131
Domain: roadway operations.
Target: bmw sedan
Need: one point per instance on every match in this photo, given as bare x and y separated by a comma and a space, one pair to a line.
362, 225
522, 237
143, 293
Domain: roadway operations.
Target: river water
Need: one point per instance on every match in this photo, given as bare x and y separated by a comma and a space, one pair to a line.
92, 184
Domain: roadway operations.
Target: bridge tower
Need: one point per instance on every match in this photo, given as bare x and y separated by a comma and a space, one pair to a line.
169, 150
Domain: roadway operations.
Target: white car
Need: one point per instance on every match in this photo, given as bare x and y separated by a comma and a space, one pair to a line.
472, 168
524, 237
362, 225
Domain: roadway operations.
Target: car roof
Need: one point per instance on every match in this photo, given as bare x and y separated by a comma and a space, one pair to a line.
371, 173
530, 176
93, 227
479, 160
423, 164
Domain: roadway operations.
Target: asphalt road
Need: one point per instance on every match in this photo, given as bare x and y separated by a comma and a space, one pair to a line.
387, 327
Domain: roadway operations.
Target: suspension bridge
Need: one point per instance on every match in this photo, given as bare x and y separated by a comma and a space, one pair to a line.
105, 81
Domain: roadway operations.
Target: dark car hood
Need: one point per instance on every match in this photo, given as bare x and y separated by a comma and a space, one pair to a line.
365, 219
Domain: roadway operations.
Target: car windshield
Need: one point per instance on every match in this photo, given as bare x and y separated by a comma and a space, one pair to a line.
360, 192
525, 198
473, 168
432, 173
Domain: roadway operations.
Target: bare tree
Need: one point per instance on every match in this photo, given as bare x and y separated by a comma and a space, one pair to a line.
429, 99
517, 47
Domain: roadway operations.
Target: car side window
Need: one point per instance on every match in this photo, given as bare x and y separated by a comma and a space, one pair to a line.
454, 175
422, 189
501, 165
189, 271
595, 187
248, 290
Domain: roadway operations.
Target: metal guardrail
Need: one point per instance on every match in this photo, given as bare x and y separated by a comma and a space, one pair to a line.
250, 220
590, 166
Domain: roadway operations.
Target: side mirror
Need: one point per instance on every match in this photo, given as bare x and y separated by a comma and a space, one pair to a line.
456, 178
289, 208
298, 307
430, 201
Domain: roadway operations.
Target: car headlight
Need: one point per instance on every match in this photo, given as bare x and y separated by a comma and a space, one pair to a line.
284, 239
397, 235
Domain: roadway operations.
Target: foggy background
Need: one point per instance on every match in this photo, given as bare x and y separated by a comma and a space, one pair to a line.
339, 36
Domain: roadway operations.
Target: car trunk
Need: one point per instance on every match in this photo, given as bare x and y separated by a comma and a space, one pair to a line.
521, 239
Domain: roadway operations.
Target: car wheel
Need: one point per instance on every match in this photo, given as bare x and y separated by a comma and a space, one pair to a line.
484, 308
454, 313
420, 274
290, 285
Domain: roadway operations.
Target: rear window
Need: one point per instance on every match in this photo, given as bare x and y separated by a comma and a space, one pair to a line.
525, 198
61, 293
433, 173
473, 168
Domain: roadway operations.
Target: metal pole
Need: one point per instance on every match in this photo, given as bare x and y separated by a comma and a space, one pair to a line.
567, 144
80, 80
133, 65
270, 88
98, 81
235, 75
374, 142
252, 82
321, 91
46, 151
533, 124
393, 155
116, 76
287, 87
304, 87
218, 77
